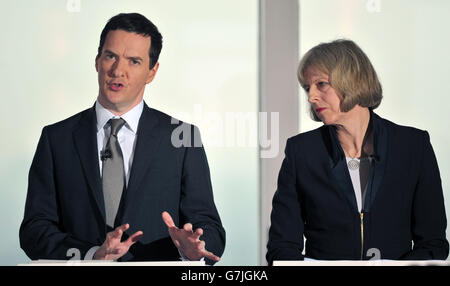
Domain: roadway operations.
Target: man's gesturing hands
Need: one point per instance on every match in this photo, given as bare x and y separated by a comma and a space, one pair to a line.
187, 241
113, 248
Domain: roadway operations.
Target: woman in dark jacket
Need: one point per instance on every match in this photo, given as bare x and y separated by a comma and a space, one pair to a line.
359, 185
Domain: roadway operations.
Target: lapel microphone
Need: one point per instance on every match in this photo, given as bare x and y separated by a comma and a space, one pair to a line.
375, 157
105, 154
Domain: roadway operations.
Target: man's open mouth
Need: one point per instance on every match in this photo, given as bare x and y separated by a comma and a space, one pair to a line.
115, 86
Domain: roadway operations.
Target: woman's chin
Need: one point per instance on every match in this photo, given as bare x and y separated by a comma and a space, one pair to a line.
326, 121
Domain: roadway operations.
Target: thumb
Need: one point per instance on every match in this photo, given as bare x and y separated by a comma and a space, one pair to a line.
167, 219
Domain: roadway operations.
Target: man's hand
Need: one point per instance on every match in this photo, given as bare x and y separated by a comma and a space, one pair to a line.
188, 241
112, 248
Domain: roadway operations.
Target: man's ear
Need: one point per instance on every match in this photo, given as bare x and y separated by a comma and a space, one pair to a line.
152, 73
96, 63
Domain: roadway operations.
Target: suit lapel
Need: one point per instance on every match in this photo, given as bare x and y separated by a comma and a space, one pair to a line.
85, 138
379, 160
339, 173
148, 140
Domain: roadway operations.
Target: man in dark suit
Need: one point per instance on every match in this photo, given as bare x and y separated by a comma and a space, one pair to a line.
101, 180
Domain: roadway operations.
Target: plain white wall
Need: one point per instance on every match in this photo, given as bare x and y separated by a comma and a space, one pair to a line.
278, 93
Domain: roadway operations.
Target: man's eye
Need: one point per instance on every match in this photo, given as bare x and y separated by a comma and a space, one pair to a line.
109, 56
135, 62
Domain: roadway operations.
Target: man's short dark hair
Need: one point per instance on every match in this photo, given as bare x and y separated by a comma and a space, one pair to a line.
137, 23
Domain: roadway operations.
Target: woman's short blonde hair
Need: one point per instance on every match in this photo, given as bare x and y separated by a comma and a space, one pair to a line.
350, 73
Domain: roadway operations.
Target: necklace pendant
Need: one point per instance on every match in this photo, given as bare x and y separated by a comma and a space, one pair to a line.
353, 164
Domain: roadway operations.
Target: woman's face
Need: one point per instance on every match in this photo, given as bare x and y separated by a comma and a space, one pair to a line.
323, 98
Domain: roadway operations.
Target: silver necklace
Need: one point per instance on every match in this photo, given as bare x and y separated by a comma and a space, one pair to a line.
353, 164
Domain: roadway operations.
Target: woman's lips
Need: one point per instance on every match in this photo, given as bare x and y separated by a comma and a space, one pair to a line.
320, 109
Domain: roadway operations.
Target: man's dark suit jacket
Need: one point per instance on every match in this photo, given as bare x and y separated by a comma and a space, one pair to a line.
315, 198
65, 208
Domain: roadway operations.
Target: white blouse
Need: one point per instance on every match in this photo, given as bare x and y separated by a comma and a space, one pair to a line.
359, 177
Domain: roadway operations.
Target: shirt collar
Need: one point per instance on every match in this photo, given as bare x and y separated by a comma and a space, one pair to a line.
131, 117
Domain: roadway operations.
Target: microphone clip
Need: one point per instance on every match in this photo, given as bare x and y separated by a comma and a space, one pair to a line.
105, 154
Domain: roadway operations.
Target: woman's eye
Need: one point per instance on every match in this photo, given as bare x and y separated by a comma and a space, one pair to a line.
322, 85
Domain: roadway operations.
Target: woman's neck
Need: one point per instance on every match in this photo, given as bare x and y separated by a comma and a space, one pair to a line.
352, 132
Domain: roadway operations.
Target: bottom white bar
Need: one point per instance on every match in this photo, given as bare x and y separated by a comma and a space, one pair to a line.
381, 262
110, 263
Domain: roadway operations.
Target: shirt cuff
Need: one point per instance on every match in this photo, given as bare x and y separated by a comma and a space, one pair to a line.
184, 258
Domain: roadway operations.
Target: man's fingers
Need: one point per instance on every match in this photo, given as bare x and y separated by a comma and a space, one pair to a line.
188, 227
210, 255
134, 237
123, 227
137, 236
117, 233
167, 219
198, 232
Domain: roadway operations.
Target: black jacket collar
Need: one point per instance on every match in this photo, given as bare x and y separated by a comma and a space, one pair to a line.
339, 170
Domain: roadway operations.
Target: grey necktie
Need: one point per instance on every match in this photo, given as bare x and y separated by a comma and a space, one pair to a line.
113, 174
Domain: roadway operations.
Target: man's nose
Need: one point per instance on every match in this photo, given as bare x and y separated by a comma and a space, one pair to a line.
118, 69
